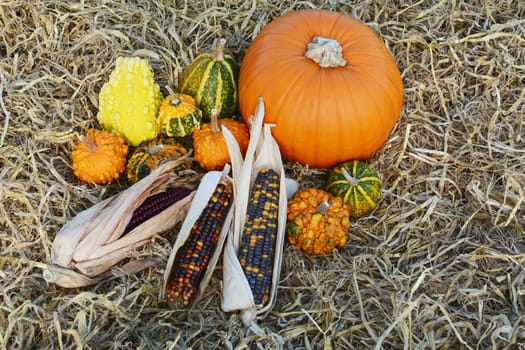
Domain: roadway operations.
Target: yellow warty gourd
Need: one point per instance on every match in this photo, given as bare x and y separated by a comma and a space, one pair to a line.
130, 100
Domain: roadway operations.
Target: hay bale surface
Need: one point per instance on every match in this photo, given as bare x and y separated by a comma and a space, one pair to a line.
438, 265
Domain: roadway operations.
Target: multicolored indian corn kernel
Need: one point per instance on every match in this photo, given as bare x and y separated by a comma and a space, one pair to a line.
256, 252
155, 204
191, 260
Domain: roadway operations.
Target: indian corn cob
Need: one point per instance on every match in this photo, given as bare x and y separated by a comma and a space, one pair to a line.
256, 252
155, 204
191, 260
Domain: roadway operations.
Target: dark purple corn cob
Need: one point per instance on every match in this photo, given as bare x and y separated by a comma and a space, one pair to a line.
155, 205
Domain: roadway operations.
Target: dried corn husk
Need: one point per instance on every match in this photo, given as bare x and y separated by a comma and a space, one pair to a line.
91, 244
263, 152
203, 194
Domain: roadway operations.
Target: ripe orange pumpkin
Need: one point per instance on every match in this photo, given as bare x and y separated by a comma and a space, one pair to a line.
339, 103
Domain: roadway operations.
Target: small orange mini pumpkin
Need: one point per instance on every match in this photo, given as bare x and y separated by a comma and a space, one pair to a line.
99, 157
209, 145
317, 221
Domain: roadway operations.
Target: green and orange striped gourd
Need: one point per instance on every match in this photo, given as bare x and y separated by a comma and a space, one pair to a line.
211, 79
149, 155
178, 115
358, 184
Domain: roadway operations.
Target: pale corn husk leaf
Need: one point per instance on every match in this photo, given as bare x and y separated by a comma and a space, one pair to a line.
234, 151
263, 152
231, 266
72, 232
110, 254
97, 266
110, 223
237, 294
202, 196
291, 187
91, 243
106, 220
68, 278
163, 221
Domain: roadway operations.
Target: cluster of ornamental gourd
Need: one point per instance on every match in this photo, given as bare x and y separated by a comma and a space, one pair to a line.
330, 87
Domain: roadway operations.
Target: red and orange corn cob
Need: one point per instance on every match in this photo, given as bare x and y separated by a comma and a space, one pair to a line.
191, 260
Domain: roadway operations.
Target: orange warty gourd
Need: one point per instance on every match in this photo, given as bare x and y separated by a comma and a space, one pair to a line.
329, 84
317, 221
99, 157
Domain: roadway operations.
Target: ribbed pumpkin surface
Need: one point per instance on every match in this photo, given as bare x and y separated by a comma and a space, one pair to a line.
323, 116
212, 82
361, 191
209, 145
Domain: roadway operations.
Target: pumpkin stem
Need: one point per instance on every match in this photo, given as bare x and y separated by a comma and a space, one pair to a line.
174, 99
326, 52
218, 53
351, 180
323, 207
215, 127
90, 144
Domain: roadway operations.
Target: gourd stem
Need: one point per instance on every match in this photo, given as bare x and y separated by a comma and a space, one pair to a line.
323, 207
215, 127
154, 149
326, 52
90, 144
218, 53
174, 99
351, 180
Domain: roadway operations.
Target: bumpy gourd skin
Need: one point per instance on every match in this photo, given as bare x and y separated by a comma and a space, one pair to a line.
99, 157
130, 100
316, 232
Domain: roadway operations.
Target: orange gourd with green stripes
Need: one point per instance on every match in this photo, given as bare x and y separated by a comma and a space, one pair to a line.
358, 184
178, 115
211, 79
149, 155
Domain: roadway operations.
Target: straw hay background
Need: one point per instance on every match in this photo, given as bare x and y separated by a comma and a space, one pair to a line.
438, 265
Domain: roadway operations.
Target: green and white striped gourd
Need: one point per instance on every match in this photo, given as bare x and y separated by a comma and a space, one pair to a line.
358, 184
